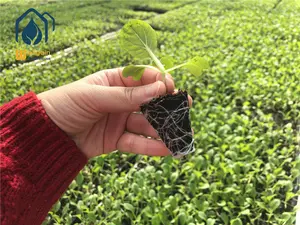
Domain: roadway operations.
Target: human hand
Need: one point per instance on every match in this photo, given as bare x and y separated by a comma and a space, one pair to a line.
97, 112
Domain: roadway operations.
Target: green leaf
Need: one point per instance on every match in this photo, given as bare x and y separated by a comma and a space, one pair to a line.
92, 216
174, 176
155, 220
56, 207
289, 195
245, 212
128, 207
56, 218
65, 209
202, 215
152, 194
182, 218
167, 61
79, 179
224, 217
138, 37
286, 216
274, 204
196, 65
210, 221
236, 221
134, 71
204, 186
261, 205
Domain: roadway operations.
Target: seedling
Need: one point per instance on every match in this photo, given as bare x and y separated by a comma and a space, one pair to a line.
139, 39
169, 115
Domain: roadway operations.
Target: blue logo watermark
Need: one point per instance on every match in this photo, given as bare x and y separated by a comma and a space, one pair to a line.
32, 34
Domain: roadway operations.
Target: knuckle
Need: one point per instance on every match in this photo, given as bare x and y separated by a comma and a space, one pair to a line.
128, 92
130, 142
147, 146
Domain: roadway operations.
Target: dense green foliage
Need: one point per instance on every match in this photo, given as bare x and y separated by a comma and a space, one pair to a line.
245, 111
76, 21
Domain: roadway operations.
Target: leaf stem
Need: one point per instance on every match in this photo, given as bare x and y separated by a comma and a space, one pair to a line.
157, 62
147, 66
175, 67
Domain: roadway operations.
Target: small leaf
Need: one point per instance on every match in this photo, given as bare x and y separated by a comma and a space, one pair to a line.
152, 194
173, 202
129, 207
155, 220
245, 212
167, 61
289, 195
134, 71
204, 186
79, 179
182, 218
236, 221
274, 204
65, 209
92, 216
286, 216
202, 215
196, 65
57, 206
224, 217
261, 205
147, 212
210, 221
174, 176
138, 38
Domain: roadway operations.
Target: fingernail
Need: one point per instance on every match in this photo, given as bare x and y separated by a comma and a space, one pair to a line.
170, 83
169, 77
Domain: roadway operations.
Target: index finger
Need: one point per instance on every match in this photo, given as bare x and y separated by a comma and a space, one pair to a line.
136, 144
150, 76
114, 77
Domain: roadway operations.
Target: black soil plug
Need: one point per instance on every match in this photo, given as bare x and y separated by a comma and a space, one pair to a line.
169, 116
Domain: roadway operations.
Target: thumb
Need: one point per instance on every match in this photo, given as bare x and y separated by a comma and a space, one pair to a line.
120, 99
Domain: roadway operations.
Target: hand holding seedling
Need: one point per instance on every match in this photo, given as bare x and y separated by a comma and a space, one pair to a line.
97, 112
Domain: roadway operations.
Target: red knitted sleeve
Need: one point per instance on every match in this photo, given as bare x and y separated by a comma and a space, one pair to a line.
38, 161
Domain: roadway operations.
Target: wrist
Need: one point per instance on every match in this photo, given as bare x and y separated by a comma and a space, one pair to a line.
56, 118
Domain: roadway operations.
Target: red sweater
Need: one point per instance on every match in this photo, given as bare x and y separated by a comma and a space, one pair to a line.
38, 161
